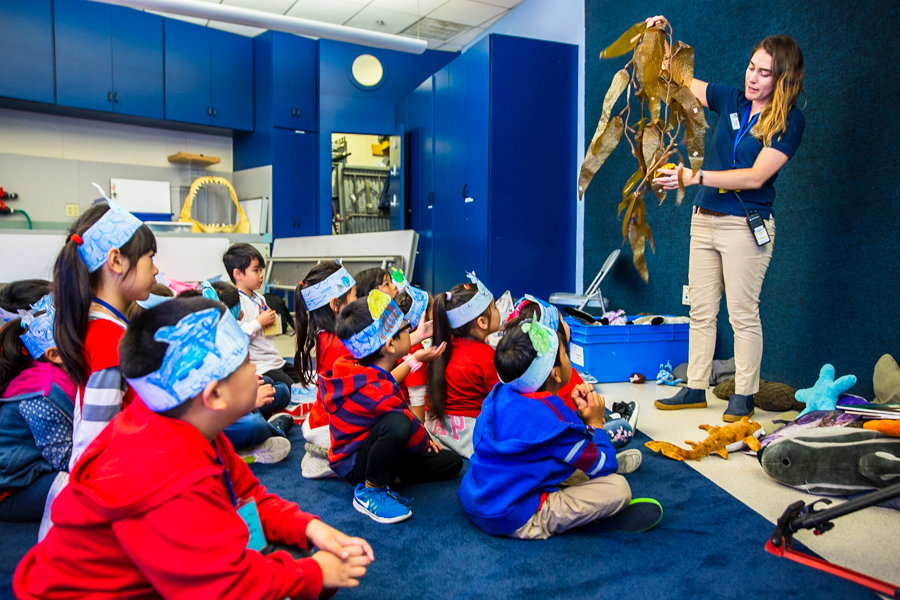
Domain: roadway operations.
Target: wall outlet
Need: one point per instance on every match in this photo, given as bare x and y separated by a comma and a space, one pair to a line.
685, 296
72, 210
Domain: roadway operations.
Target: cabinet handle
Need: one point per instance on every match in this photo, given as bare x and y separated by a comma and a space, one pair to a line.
430, 199
109, 97
214, 112
464, 190
116, 97
209, 111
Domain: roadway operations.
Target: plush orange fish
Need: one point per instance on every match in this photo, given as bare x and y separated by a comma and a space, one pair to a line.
889, 427
717, 442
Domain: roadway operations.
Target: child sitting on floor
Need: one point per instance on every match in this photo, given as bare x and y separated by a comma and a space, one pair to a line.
160, 505
418, 305
20, 295
459, 382
374, 437
246, 268
36, 410
375, 279
537, 469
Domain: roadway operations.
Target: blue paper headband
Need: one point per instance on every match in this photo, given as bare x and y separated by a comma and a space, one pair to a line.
334, 286
210, 293
387, 320
419, 298
545, 342
112, 230
39, 337
472, 309
6, 316
154, 300
204, 346
549, 313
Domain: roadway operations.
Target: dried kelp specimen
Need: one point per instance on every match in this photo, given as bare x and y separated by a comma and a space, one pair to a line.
658, 77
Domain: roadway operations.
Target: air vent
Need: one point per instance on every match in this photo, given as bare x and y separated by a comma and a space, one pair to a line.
435, 29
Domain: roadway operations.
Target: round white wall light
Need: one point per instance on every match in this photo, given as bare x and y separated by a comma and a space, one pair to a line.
367, 70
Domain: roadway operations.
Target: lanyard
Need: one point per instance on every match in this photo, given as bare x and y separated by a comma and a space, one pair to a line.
111, 309
746, 125
261, 306
227, 478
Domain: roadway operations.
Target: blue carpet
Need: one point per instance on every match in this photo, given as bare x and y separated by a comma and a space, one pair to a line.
709, 545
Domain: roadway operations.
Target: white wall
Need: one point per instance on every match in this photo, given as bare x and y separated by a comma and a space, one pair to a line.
555, 21
51, 160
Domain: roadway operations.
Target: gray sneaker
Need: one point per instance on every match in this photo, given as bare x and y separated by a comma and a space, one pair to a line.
629, 461
273, 450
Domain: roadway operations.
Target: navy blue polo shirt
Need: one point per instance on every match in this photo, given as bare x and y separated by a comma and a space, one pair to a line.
731, 105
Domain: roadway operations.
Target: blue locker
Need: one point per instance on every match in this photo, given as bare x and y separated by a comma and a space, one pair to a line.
137, 63
294, 183
83, 55
417, 112
231, 79
504, 167
294, 66
26, 62
187, 73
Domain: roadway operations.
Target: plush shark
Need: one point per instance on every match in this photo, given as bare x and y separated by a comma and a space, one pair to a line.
717, 443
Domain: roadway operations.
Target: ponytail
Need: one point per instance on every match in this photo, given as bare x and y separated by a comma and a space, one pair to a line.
437, 379
14, 357
73, 288
309, 323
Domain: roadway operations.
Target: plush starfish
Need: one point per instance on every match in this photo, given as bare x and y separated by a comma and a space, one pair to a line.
824, 394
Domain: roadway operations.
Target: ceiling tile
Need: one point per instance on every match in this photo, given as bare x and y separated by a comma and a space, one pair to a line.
490, 22
468, 36
412, 7
433, 29
371, 18
432, 44
466, 12
331, 11
271, 6
238, 29
193, 20
503, 3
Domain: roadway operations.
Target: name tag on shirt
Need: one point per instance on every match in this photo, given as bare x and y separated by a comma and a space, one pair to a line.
735, 121
250, 516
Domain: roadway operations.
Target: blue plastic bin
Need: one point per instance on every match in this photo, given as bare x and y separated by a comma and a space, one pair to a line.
612, 353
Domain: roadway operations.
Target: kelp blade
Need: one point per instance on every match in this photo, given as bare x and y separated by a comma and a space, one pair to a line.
625, 42
599, 152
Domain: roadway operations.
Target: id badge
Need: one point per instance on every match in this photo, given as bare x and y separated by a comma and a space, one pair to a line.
246, 509
758, 228
274, 328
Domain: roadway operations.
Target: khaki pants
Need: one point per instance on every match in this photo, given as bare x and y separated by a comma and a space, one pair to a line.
579, 501
724, 253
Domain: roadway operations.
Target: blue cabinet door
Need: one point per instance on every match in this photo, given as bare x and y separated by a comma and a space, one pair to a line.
26, 62
231, 80
137, 67
187, 72
83, 55
294, 183
294, 67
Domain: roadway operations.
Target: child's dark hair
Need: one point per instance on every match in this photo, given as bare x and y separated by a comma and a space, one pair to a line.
515, 352
530, 311
437, 381
139, 353
310, 323
239, 257
354, 318
157, 289
189, 293
370, 279
73, 287
20, 295
14, 357
227, 293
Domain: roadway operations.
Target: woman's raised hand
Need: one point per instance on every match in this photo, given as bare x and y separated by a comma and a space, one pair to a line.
656, 20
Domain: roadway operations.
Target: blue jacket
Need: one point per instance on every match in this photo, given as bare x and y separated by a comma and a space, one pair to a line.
524, 447
35, 436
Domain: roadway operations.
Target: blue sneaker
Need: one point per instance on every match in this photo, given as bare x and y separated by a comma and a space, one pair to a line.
381, 504
685, 398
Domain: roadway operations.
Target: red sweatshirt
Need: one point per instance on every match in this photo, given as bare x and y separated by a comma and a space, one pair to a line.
147, 514
565, 394
356, 398
328, 349
470, 375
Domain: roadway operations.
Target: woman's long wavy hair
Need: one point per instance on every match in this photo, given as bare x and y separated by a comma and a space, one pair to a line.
787, 71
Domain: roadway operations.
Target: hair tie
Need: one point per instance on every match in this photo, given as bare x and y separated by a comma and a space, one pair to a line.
301, 284
76, 238
24, 351
448, 296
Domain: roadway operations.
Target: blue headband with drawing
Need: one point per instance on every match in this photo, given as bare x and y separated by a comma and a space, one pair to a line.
546, 343
549, 313
334, 286
472, 309
6, 316
112, 230
387, 319
419, 298
204, 347
210, 293
39, 337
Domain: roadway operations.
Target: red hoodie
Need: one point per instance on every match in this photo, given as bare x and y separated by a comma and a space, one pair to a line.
328, 349
147, 514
